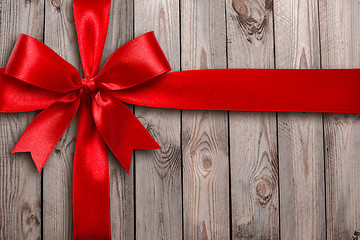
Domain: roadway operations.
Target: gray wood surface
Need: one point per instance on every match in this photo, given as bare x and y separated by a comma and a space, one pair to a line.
60, 36
204, 133
219, 175
20, 183
253, 148
300, 135
340, 48
158, 172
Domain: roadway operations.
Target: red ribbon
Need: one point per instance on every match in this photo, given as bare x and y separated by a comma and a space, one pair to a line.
37, 78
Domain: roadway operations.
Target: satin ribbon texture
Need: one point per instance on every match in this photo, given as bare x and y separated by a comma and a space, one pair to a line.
37, 78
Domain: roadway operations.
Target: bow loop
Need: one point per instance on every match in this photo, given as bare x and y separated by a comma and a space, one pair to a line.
135, 62
36, 64
17, 96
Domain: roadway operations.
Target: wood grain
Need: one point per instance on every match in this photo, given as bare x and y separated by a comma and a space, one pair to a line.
121, 184
254, 178
250, 34
340, 48
302, 184
253, 149
57, 182
165, 198
205, 175
300, 135
204, 133
20, 183
158, 173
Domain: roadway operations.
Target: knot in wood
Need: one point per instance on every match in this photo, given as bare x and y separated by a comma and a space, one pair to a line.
207, 163
263, 190
241, 8
56, 4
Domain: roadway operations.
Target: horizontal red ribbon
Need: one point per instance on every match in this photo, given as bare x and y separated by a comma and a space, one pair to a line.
37, 78
281, 90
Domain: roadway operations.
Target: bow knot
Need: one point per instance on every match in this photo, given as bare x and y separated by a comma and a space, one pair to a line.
88, 84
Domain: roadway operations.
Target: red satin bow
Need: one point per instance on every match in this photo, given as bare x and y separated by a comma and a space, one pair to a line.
37, 78
47, 81
100, 114
35, 64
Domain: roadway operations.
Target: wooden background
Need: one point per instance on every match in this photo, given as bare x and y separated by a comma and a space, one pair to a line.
219, 175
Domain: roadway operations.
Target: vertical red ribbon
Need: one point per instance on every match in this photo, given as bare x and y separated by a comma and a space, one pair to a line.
91, 196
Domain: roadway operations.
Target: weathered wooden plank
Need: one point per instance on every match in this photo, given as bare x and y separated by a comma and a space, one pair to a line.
254, 179
121, 184
20, 183
158, 173
253, 149
205, 175
300, 135
204, 133
302, 184
250, 33
60, 36
340, 48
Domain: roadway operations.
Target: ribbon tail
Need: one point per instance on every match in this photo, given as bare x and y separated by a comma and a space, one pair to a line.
43, 133
120, 129
91, 196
